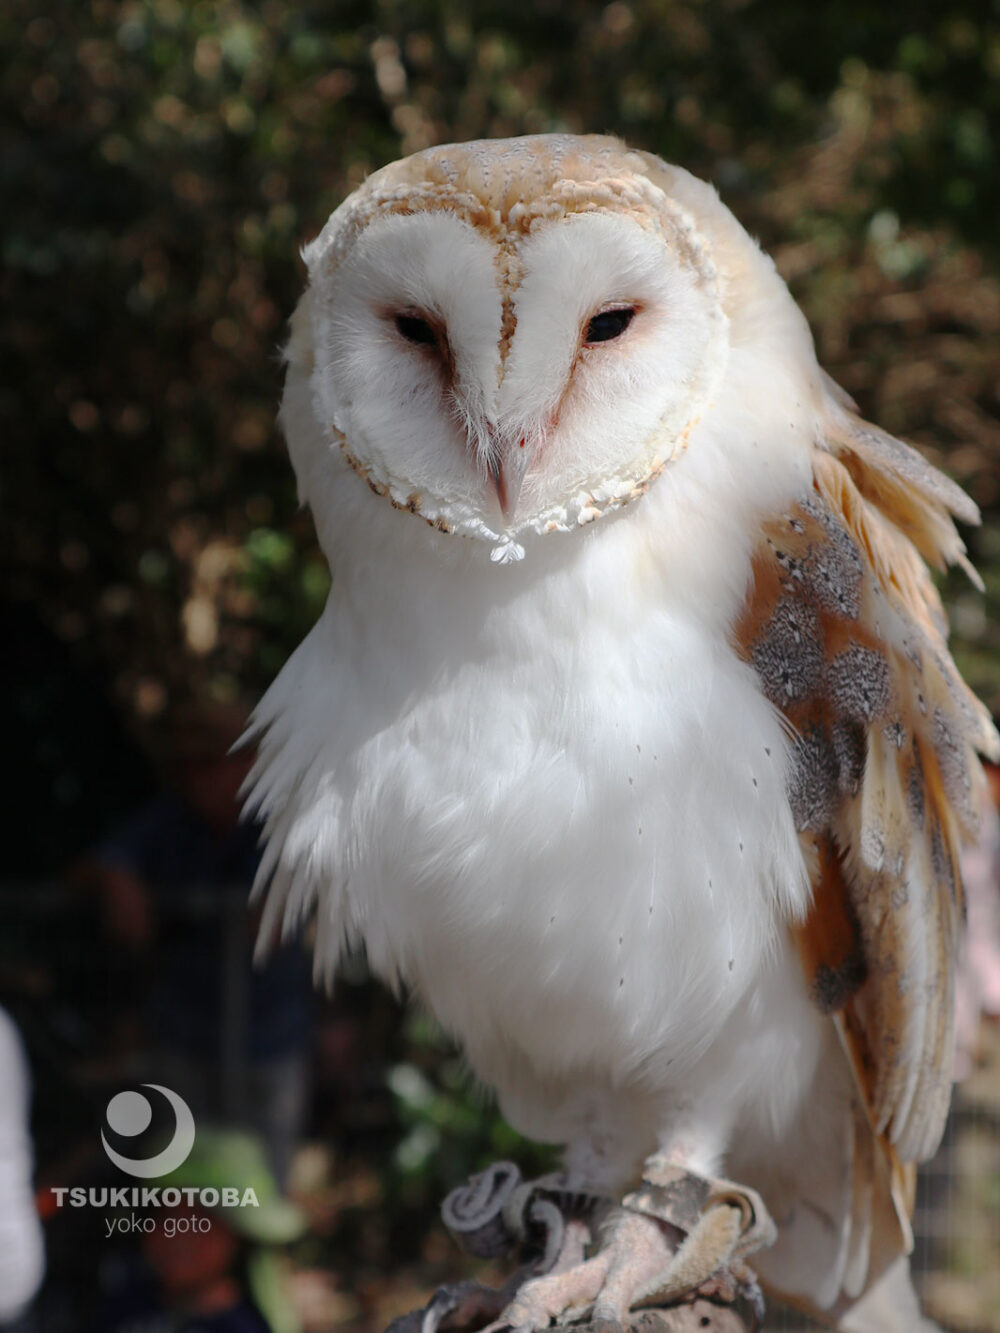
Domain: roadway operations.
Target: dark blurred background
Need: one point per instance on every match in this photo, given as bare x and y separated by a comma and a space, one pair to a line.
162, 162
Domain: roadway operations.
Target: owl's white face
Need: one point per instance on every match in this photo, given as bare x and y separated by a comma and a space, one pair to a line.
499, 370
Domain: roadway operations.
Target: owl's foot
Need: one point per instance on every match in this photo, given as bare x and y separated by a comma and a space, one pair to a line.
494, 1215
676, 1236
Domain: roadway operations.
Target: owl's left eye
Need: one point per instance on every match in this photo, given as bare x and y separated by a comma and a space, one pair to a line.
609, 324
416, 329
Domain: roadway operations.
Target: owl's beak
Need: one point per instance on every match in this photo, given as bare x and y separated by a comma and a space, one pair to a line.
507, 471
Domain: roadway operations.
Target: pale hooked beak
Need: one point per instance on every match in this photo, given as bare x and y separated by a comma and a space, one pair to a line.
507, 468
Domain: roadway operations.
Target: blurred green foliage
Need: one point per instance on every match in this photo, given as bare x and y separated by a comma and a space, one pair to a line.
448, 1129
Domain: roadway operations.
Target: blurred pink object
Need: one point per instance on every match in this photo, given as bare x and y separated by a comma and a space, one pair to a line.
978, 981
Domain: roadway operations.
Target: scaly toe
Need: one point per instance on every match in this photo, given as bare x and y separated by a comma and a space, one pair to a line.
542, 1299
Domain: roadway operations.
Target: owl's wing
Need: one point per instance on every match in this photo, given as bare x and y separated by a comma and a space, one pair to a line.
847, 634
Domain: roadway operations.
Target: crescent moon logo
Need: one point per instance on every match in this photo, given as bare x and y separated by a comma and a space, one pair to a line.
129, 1113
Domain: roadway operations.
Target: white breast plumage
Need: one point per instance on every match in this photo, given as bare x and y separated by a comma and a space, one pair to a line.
554, 808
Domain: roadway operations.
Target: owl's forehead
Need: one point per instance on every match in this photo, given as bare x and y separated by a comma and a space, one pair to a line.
504, 174
507, 189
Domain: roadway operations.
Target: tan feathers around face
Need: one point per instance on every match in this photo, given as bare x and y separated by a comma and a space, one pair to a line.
847, 634
508, 249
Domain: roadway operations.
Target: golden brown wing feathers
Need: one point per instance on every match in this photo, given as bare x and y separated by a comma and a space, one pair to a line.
846, 632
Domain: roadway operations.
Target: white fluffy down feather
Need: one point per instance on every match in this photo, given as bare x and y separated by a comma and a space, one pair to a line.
524, 756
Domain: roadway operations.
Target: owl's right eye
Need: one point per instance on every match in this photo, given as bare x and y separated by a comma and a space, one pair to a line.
416, 330
607, 325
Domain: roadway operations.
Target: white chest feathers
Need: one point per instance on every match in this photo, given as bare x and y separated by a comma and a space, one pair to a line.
559, 818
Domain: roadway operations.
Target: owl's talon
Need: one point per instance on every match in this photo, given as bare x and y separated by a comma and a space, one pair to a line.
754, 1297
678, 1237
721, 1223
459, 1306
737, 1282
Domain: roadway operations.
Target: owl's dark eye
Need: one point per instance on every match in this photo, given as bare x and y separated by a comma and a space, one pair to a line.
609, 324
416, 330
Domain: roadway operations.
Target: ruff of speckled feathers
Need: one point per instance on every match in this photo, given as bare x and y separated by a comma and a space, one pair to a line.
504, 194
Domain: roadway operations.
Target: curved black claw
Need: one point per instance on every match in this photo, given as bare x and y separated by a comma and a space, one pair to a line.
750, 1290
737, 1282
465, 1305
460, 1306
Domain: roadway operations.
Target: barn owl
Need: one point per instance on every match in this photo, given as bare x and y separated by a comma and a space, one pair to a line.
628, 741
